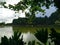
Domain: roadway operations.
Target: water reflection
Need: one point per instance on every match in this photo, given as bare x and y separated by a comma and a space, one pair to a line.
30, 37
6, 31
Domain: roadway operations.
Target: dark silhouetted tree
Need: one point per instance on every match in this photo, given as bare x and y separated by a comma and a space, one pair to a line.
42, 35
14, 40
55, 36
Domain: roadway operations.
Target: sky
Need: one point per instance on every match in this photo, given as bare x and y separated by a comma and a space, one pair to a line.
7, 15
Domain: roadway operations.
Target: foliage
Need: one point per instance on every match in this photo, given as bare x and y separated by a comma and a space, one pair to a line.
25, 3
42, 35
34, 6
15, 40
3, 4
55, 36
57, 2
31, 43
38, 21
20, 21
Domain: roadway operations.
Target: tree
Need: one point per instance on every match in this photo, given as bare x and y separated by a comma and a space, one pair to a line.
55, 36
35, 5
14, 40
42, 35
3, 4
57, 2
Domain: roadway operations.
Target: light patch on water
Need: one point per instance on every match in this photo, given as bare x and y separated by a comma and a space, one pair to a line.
6, 31
30, 37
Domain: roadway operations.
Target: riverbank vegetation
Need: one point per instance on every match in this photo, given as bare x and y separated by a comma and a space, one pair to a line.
31, 19
54, 19
42, 35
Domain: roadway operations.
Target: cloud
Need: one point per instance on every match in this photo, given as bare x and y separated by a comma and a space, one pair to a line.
2, 0
12, 2
48, 12
7, 15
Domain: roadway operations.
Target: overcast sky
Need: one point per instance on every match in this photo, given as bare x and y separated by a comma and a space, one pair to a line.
7, 15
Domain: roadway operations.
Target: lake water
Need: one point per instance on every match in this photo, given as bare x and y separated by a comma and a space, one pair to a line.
8, 31
27, 32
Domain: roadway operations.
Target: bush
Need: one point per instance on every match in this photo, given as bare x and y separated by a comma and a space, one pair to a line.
15, 40
55, 36
42, 35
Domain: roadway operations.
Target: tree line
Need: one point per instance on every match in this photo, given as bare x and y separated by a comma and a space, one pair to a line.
38, 20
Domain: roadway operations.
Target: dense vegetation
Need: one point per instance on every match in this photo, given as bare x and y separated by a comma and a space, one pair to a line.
34, 6
41, 35
53, 19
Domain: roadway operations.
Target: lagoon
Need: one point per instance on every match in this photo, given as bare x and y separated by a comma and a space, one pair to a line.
27, 32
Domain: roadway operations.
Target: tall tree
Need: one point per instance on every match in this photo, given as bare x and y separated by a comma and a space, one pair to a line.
33, 5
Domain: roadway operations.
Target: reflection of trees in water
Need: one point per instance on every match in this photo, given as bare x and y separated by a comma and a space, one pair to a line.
41, 35
7, 31
14, 40
55, 36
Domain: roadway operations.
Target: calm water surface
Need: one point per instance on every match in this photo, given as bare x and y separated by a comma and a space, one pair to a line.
27, 32
8, 31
